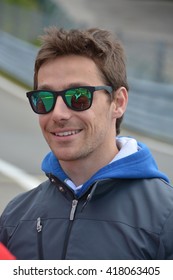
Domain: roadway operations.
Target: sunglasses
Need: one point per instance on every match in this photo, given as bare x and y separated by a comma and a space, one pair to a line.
77, 99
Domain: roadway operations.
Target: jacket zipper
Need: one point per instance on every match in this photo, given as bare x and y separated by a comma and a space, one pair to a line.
73, 209
72, 214
39, 238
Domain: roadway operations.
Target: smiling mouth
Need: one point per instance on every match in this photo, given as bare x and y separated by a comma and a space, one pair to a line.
67, 133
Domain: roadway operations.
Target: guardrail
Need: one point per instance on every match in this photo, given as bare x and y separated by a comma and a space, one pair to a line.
17, 57
150, 108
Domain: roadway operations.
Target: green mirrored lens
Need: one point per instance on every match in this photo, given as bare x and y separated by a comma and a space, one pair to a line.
42, 101
78, 99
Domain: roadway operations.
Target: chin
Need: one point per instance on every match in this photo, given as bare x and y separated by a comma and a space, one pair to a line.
65, 156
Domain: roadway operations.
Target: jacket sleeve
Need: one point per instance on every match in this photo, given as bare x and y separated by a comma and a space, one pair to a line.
6, 225
3, 231
166, 239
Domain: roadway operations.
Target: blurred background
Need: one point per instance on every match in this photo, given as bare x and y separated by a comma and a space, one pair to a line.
146, 31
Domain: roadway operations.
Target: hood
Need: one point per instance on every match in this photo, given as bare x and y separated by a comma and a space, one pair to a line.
136, 165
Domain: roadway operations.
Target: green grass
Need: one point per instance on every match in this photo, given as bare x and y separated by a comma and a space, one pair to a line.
29, 4
44, 5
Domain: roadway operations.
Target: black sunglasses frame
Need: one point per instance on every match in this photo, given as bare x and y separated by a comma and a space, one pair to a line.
62, 93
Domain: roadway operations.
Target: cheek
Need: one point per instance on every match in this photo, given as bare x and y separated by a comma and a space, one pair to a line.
43, 122
97, 122
40, 121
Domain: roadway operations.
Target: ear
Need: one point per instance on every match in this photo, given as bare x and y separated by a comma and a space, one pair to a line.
120, 102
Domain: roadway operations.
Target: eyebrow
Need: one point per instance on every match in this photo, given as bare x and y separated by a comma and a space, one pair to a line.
44, 87
71, 85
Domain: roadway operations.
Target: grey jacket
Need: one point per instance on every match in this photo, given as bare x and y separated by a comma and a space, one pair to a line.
123, 219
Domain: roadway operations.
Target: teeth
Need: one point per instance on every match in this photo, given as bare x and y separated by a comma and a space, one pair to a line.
66, 133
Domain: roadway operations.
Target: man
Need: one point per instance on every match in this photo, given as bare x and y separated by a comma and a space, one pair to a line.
105, 197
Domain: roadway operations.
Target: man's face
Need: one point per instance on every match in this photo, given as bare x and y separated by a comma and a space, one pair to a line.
75, 135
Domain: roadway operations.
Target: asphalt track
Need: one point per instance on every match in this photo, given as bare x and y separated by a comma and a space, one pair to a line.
145, 18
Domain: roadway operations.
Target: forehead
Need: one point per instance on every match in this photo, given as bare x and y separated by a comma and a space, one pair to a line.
69, 69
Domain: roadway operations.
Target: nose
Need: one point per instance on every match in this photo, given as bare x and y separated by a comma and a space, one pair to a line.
61, 111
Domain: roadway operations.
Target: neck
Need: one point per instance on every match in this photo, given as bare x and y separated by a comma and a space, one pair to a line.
79, 171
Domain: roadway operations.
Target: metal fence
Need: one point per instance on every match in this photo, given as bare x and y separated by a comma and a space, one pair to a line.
150, 108
149, 59
27, 24
17, 58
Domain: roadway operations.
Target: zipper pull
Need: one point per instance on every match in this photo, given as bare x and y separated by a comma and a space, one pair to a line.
39, 225
73, 209
87, 200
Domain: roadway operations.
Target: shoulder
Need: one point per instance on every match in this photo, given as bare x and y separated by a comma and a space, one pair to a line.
23, 204
141, 203
153, 193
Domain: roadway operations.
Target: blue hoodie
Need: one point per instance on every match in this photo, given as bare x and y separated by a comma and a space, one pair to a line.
134, 163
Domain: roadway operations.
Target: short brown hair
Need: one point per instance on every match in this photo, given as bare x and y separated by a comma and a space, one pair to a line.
97, 44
